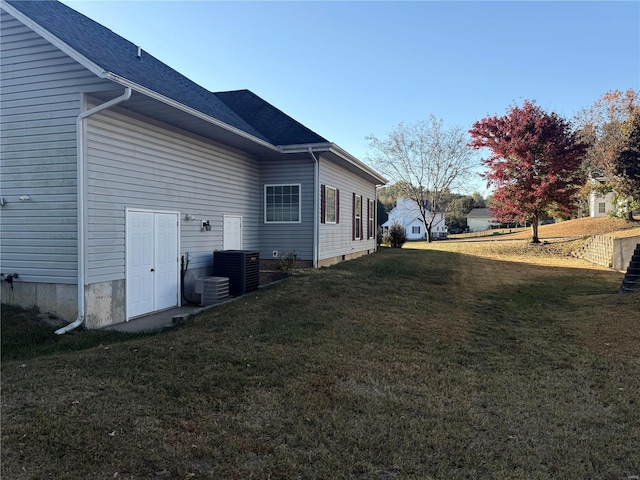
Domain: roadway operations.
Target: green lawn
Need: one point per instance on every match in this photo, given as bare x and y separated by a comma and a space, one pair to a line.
404, 364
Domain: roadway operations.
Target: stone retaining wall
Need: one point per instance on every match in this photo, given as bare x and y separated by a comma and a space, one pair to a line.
610, 252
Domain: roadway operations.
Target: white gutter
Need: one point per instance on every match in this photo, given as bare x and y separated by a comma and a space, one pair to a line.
375, 213
81, 202
316, 194
336, 150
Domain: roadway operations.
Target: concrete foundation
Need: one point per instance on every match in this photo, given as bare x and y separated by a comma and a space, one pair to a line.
59, 299
105, 304
327, 262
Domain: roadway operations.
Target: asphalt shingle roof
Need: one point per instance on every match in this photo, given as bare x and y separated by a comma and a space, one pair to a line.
275, 125
240, 109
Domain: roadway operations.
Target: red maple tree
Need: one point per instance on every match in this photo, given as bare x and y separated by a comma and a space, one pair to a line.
534, 163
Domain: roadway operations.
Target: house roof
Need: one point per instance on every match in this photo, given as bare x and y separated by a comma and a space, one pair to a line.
113, 53
111, 56
276, 126
483, 213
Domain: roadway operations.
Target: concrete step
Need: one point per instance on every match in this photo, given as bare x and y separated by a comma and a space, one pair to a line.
624, 289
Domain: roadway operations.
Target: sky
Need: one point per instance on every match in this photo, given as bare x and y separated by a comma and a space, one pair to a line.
347, 70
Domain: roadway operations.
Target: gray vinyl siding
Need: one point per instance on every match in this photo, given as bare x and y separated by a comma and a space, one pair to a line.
137, 163
288, 237
337, 240
39, 99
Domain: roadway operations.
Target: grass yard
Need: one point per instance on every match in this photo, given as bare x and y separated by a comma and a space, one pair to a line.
407, 364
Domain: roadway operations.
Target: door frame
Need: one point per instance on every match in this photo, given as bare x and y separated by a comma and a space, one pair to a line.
126, 252
241, 230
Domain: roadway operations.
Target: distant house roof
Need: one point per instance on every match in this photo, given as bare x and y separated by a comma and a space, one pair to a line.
483, 213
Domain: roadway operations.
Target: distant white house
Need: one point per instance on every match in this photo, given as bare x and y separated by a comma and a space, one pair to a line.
480, 219
600, 205
407, 214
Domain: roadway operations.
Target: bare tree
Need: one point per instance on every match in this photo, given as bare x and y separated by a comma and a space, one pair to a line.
426, 162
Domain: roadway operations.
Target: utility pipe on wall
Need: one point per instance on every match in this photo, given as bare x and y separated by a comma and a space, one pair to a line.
81, 201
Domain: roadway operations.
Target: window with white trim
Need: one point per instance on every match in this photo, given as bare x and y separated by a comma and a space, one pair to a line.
602, 207
357, 217
415, 229
282, 203
370, 224
330, 204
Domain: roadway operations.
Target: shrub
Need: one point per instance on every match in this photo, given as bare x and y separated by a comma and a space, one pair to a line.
289, 262
396, 236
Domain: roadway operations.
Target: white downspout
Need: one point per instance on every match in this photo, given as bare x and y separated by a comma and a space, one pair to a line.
81, 210
316, 213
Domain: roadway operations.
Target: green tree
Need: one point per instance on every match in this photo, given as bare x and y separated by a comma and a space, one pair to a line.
478, 200
457, 210
602, 126
627, 166
382, 213
396, 236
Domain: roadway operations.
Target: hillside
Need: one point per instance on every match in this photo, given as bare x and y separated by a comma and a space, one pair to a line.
582, 227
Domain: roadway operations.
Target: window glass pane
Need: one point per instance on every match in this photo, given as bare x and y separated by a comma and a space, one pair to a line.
282, 203
358, 215
331, 205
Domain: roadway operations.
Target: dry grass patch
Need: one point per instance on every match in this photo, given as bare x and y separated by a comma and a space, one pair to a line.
556, 252
406, 364
581, 227
608, 332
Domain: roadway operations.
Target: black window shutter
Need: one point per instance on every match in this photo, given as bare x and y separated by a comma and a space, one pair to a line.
323, 204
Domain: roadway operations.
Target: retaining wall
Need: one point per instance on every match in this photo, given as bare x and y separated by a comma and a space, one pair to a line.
610, 252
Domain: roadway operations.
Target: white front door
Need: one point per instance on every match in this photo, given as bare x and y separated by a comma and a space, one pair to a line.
152, 262
232, 232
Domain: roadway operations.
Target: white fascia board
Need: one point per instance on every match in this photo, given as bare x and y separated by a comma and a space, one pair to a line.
336, 150
191, 111
55, 41
351, 159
